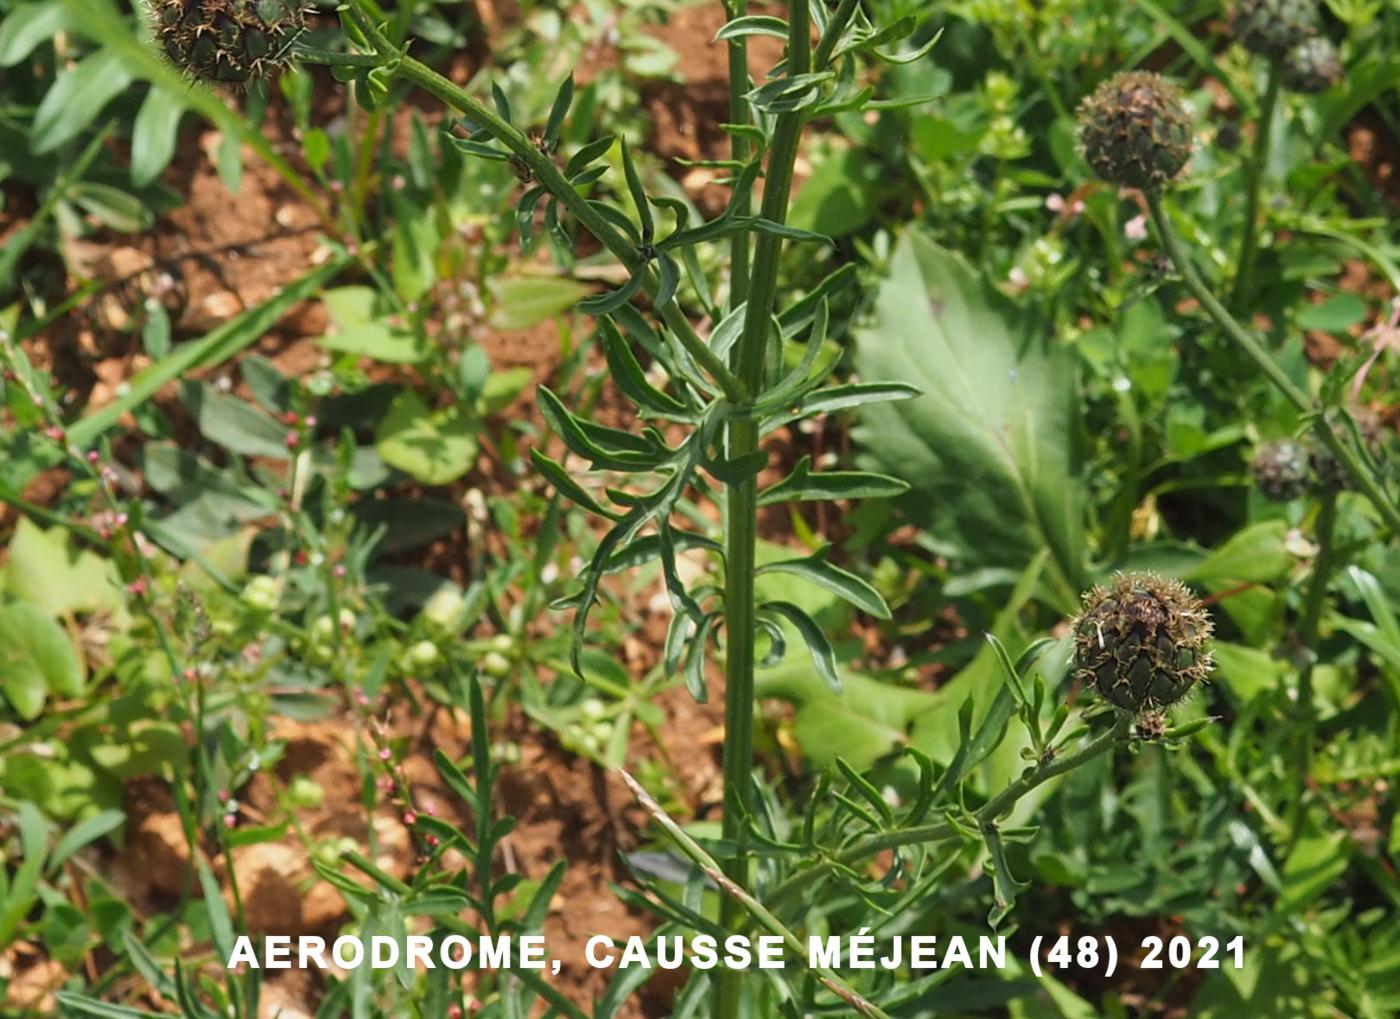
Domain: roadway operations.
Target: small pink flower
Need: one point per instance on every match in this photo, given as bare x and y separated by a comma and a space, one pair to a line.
433, 841
386, 785
137, 587
310, 421
454, 1012
1055, 203
1136, 228
223, 795
430, 810
230, 820
292, 440
361, 699
409, 817
339, 570
93, 456
55, 433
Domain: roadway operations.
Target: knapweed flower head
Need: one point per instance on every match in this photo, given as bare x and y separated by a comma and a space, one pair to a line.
1312, 66
1271, 28
1142, 641
1282, 469
1328, 474
1134, 130
227, 41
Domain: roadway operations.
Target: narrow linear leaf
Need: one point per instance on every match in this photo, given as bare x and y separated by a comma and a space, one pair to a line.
823, 656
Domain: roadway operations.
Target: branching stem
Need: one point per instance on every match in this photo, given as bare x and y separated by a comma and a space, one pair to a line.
1254, 180
994, 809
1364, 480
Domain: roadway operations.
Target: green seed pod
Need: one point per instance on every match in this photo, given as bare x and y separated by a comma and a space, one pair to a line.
1273, 27
1142, 642
1281, 469
1313, 66
227, 41
1134, 130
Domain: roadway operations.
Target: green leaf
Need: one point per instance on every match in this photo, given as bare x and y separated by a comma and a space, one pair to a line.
753, 24
153, 134
414, 244
840, 196
36, 657
523, 301
823, 657
26, 26
627, 373
23, 886
569, 488
842, 583
586, 155
43, 569
990, 448
1257, 554
78, 1005
1334, 315
378, 341
90, 829
76, 98
434, 447
111, 206
234, 423
560, 108
805, 486
220, 923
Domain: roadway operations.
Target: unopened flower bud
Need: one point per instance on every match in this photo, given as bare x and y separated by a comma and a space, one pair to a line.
1135, 131
262, 593
1142, 641
231, 41
443, 610
1281, 469
1271, 28
1313, 66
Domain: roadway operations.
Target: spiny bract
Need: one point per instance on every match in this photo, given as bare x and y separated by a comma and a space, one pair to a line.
1314, 65
229, 41
1142, 641
1281, 469
1135, 131
1273, 27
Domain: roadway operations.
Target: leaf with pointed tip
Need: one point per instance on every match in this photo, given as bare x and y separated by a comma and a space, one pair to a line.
628, 374
752, 24
562, 101
823, 657
806, 486
570, 489
695, 659
587, 154
842, 583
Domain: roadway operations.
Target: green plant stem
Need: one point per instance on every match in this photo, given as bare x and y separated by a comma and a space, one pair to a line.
330, 58
741, 510
1254, 180
747, 903
547, 174
739, 151
1316, 600
991, 811
1356, 471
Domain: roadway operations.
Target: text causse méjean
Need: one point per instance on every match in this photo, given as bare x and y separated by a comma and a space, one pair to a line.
702, 951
